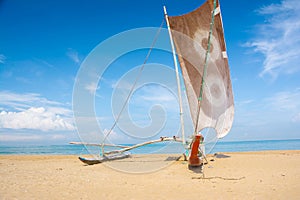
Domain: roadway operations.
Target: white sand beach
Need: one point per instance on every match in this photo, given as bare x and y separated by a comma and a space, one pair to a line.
253, 175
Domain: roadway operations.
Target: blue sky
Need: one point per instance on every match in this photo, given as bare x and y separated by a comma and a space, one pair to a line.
43, 44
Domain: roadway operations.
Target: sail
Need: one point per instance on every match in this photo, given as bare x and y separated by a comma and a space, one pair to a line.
190, 33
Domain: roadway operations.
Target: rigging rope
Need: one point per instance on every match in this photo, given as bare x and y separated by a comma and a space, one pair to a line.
205, 66
132, 88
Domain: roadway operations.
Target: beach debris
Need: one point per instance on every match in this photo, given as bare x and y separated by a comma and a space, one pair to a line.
220, 155
219, 177
172, 158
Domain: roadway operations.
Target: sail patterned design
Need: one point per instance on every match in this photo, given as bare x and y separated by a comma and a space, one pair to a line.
190, 34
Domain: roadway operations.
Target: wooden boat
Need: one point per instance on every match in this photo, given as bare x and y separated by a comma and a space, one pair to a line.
197, 40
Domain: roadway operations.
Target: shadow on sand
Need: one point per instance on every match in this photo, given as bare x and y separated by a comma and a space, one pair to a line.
198, 170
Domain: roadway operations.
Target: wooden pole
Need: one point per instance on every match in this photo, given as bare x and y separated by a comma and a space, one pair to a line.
162, 139
98, 145
177, 76
128, 148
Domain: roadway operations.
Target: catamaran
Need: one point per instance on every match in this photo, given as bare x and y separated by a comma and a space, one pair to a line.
204, 67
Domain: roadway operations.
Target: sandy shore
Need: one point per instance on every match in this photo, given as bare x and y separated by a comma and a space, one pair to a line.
259, 175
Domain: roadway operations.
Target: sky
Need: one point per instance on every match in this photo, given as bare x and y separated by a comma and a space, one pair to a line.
44, 44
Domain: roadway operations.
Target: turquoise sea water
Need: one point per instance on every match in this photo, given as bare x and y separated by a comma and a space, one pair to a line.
240, 146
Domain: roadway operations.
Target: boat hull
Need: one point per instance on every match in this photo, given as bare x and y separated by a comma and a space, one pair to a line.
93, 161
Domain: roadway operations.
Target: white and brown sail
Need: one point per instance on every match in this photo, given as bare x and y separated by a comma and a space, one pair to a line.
190, 33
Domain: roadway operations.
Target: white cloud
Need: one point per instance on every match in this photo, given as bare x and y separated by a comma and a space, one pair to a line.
150, 95
112, 134
155, 93
21, 101
284, 106
124, 85
279, 38
33, 137
31, 111
2, 58
92, 87
244, 102
35, 119
21, 138
285, 101
73, 54
118, 137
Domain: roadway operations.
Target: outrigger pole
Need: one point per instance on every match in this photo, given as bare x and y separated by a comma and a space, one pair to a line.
177, 76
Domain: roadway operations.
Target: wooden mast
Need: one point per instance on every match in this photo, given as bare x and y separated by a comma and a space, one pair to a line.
177, 76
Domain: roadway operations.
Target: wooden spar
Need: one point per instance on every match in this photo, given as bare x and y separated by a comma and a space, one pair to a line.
97, 145
128, 148
177, 76
162, 139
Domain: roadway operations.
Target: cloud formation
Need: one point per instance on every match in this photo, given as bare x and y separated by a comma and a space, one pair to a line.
17, 138
71, 53
152, 94
279, 38
92, 87
22, 101
34, 118
287, 102
31, 111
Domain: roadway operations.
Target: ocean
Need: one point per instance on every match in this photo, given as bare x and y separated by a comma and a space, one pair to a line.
237, 146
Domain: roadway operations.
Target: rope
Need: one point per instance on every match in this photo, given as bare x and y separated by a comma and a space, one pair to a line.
205, 66
132, 88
